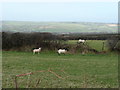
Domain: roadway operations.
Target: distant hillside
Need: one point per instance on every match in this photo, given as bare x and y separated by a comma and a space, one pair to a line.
58, 27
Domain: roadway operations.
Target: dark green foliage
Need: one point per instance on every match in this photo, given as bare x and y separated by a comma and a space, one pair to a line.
114, 44
48, 41
17, 40
94, 36
33, 40
6, 40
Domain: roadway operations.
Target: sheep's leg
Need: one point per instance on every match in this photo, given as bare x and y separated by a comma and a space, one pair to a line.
58, 53
33, 53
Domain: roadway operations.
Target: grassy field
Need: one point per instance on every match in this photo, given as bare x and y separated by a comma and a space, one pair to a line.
73, 70
95, 44
0, 69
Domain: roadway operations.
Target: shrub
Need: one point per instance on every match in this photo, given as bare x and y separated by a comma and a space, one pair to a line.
32, 40
113, 44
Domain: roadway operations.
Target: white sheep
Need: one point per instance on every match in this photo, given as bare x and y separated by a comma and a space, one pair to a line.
36, 50
60, 51
81, 41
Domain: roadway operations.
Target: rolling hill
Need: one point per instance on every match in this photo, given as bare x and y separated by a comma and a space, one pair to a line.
59, 27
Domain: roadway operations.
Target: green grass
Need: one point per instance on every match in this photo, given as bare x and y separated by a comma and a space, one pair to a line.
95, 44
80, 71
0, 69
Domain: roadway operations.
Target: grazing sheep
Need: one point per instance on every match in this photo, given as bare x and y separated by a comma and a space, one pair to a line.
81, 41
60, 51
36, 50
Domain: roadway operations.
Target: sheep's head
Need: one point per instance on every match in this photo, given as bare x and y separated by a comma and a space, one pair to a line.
65, 50
40, 48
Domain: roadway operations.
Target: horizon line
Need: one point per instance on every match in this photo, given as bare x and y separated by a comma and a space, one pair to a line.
57, 21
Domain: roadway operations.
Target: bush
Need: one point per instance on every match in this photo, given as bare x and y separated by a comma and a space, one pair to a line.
31, 40
114, 44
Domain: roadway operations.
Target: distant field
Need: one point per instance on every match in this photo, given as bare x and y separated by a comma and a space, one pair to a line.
76, 70
58, 27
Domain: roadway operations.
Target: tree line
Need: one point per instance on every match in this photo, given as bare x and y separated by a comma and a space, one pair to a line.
29, 41
34, 40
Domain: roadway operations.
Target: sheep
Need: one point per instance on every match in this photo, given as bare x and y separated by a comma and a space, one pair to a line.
37, 50
60, 51
81, 41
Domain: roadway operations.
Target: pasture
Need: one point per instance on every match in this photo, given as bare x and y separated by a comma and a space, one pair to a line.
95, 44
58, 27
69, 71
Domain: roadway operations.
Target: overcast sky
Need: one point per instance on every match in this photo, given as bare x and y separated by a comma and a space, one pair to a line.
77, 10
59, 0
